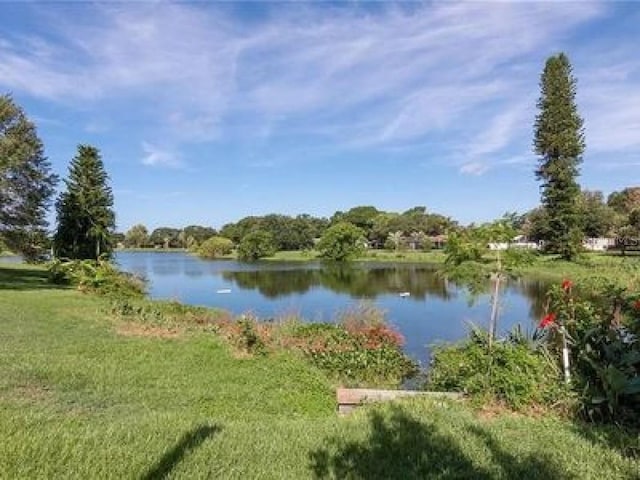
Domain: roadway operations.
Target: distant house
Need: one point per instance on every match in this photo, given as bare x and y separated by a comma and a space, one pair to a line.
438, 241
519, 241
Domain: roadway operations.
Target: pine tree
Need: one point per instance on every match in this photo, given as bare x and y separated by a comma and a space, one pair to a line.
86, 220
26, 183
559, 141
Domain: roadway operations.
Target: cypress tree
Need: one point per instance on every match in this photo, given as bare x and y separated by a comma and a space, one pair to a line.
86, 220
559, 142
26, 183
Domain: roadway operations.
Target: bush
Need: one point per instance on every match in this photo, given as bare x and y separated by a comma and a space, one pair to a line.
509, 372
367, 357
341, 242
256, 245
215, 247
96, 276
355, 352
602, 325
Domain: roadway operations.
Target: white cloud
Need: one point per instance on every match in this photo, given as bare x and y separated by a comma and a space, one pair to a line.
473, 168
157, 157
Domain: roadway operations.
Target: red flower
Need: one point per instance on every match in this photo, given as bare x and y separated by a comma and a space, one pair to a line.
636, 305
547, 320
566, 285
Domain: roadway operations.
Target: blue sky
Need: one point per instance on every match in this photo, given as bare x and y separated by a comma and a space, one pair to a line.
205, 113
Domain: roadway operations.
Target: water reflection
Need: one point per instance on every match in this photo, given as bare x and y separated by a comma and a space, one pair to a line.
357, 281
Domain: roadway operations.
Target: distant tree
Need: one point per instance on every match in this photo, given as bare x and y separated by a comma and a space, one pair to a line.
26, 183
256, 245
341, 242
198, 233
86, 220
137, 236
536, 224
559, 142
289, 233
598, 219
215, 247
118, 238
625, 201
395, 241
514, 220
237, 231
165, 237
361, 216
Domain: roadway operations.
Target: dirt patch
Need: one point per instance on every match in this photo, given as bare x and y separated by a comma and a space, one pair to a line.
32, 393
137, 330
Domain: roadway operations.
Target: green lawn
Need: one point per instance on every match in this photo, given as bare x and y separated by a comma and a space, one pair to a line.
84, 397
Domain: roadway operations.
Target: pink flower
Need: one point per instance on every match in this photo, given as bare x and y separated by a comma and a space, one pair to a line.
547, 320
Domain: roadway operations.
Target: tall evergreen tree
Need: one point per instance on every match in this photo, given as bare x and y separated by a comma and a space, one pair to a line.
26, 182
86, 220
559, 141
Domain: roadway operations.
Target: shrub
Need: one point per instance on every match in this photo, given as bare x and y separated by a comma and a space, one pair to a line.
354, 352
96, 276
215, 247
341, 242
602, 328
256, 245
371, 357
509, 372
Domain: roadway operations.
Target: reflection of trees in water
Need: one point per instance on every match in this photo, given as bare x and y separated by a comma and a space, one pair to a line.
274, 283
535, 291
357, 281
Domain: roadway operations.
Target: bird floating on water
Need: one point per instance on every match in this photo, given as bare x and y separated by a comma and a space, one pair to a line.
224, 290
405, 294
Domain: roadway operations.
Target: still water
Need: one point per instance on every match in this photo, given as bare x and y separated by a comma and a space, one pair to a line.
434, 311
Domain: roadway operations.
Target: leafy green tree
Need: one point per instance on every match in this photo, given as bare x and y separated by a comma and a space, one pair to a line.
137, 236
536, 224
86, 220
559, 142
625, 201
215, 247
470, 260
198, 233
361, 216
341, 242
465, 246
256, 245
598, 219
395, 241
26, 183
166, 237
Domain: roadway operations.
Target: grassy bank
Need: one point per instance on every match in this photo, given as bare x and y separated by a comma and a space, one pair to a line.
612, 267
434, 256
83, 395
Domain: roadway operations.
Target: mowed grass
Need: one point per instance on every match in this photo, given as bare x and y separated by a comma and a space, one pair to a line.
82, 396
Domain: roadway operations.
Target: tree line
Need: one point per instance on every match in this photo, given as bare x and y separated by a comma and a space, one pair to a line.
410, 228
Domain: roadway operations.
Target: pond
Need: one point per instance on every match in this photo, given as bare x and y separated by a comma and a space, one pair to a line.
435, 310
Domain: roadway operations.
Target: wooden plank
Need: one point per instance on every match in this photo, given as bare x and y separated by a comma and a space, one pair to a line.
350, 398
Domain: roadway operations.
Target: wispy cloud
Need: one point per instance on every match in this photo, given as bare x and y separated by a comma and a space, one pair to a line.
158, 157
437, 72
473, 168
